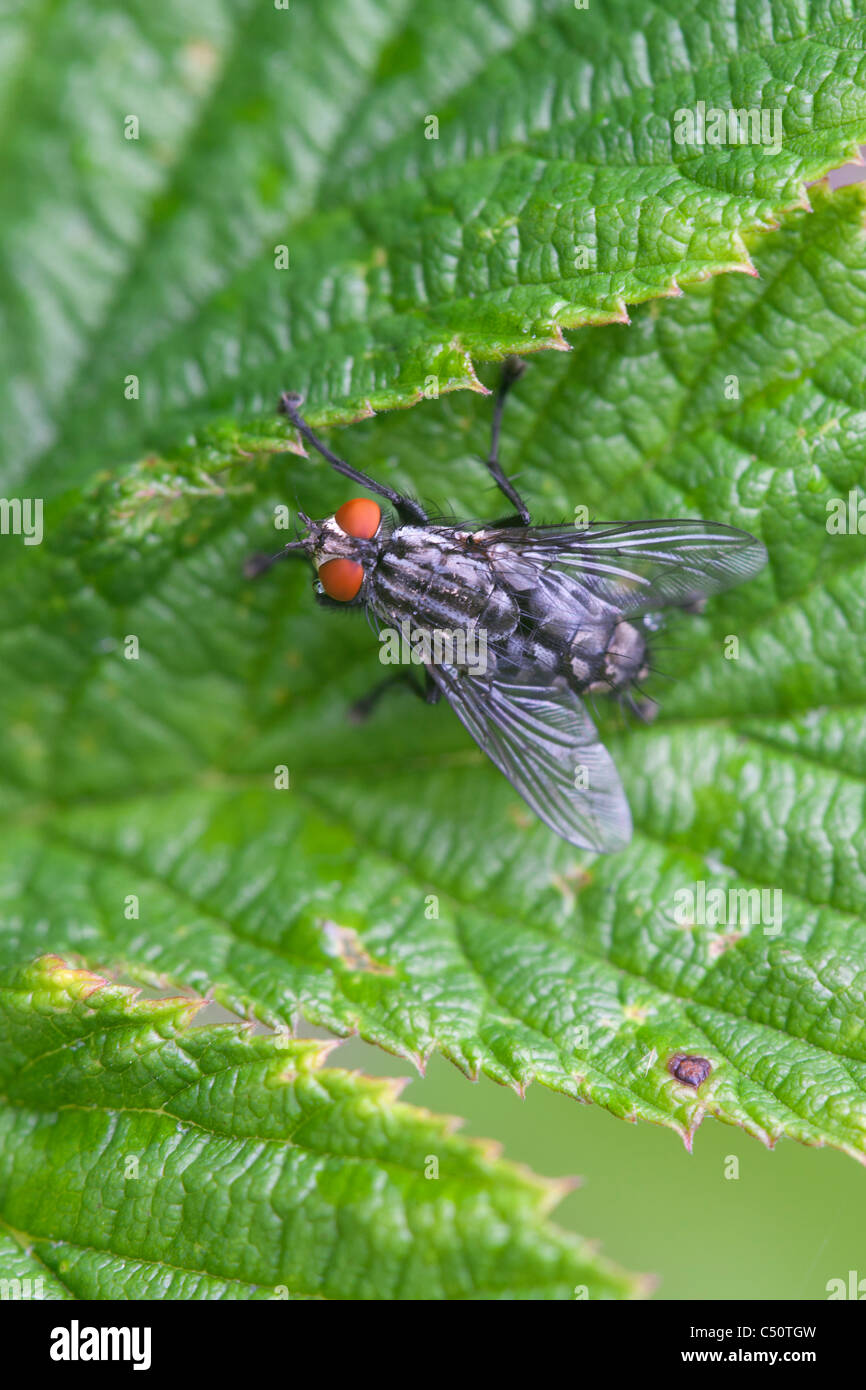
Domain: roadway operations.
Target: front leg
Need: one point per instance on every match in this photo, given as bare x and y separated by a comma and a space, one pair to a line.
512, 370
408, 510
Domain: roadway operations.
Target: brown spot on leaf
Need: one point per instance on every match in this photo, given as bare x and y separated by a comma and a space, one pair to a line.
692, 1071
345, 944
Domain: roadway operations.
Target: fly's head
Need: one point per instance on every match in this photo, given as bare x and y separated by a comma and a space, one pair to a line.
344, 548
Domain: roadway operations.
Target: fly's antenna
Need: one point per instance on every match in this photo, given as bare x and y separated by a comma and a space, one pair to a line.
407, 509
258, 564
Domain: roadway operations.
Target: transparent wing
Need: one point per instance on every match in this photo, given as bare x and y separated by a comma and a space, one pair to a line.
541, 737
635, 568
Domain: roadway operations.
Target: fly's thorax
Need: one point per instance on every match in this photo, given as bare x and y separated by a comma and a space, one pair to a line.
431, 576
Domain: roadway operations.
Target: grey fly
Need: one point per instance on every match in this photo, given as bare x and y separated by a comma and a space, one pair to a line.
565, 613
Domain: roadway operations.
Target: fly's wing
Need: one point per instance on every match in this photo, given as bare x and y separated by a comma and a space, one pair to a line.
541, 737
635, 568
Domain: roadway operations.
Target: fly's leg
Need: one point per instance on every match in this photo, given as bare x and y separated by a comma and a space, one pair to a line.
645, 708
406, 508
512, 370
429, 693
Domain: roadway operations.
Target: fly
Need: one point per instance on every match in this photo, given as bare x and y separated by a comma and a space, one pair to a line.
564, 612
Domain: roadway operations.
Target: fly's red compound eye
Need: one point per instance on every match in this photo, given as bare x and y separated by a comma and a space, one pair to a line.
359, 518
341, 579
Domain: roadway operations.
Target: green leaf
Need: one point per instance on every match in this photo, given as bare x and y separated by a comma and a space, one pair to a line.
398, 887
142, 1157
161, 154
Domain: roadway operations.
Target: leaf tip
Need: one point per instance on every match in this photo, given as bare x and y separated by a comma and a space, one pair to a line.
688, 1137
646, 1285
559, 342
419, 1060
471, 380
321, 1049
394, 1086
560, 1188
476, 384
